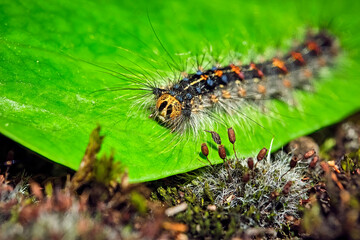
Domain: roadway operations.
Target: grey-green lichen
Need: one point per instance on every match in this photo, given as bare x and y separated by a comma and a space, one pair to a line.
255, 196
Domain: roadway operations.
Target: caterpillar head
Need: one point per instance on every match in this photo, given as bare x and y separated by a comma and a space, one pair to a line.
167, 107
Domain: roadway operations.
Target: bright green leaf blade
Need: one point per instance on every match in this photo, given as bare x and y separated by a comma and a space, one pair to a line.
46, 90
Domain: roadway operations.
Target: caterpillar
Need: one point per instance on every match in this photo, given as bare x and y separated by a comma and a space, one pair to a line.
192, 102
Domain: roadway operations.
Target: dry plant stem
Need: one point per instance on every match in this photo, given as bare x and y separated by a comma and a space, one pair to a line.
285, 173
209, 162
235, 152
227, 166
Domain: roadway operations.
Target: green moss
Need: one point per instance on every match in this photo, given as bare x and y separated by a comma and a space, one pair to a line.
139, 202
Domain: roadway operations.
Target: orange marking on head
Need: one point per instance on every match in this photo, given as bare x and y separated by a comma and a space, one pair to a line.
298, 56
313, 46
280, 64
237, 70
218, 73
259, 72
261, 89
168, 107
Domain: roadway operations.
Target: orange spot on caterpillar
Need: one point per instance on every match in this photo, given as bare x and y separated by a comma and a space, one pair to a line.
259, 72
280, 64
237, 70
312, 46
322, 62
241, 92
218, 73
214, 99
261, 89
286, 83
225, 94
298, 57
308, 73
204, 77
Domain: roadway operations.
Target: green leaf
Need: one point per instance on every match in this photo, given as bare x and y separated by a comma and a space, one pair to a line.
49, 98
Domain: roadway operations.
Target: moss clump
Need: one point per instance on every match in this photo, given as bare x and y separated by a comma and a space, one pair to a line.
235, 197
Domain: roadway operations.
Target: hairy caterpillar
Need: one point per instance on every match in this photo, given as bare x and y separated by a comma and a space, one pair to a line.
191, 103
